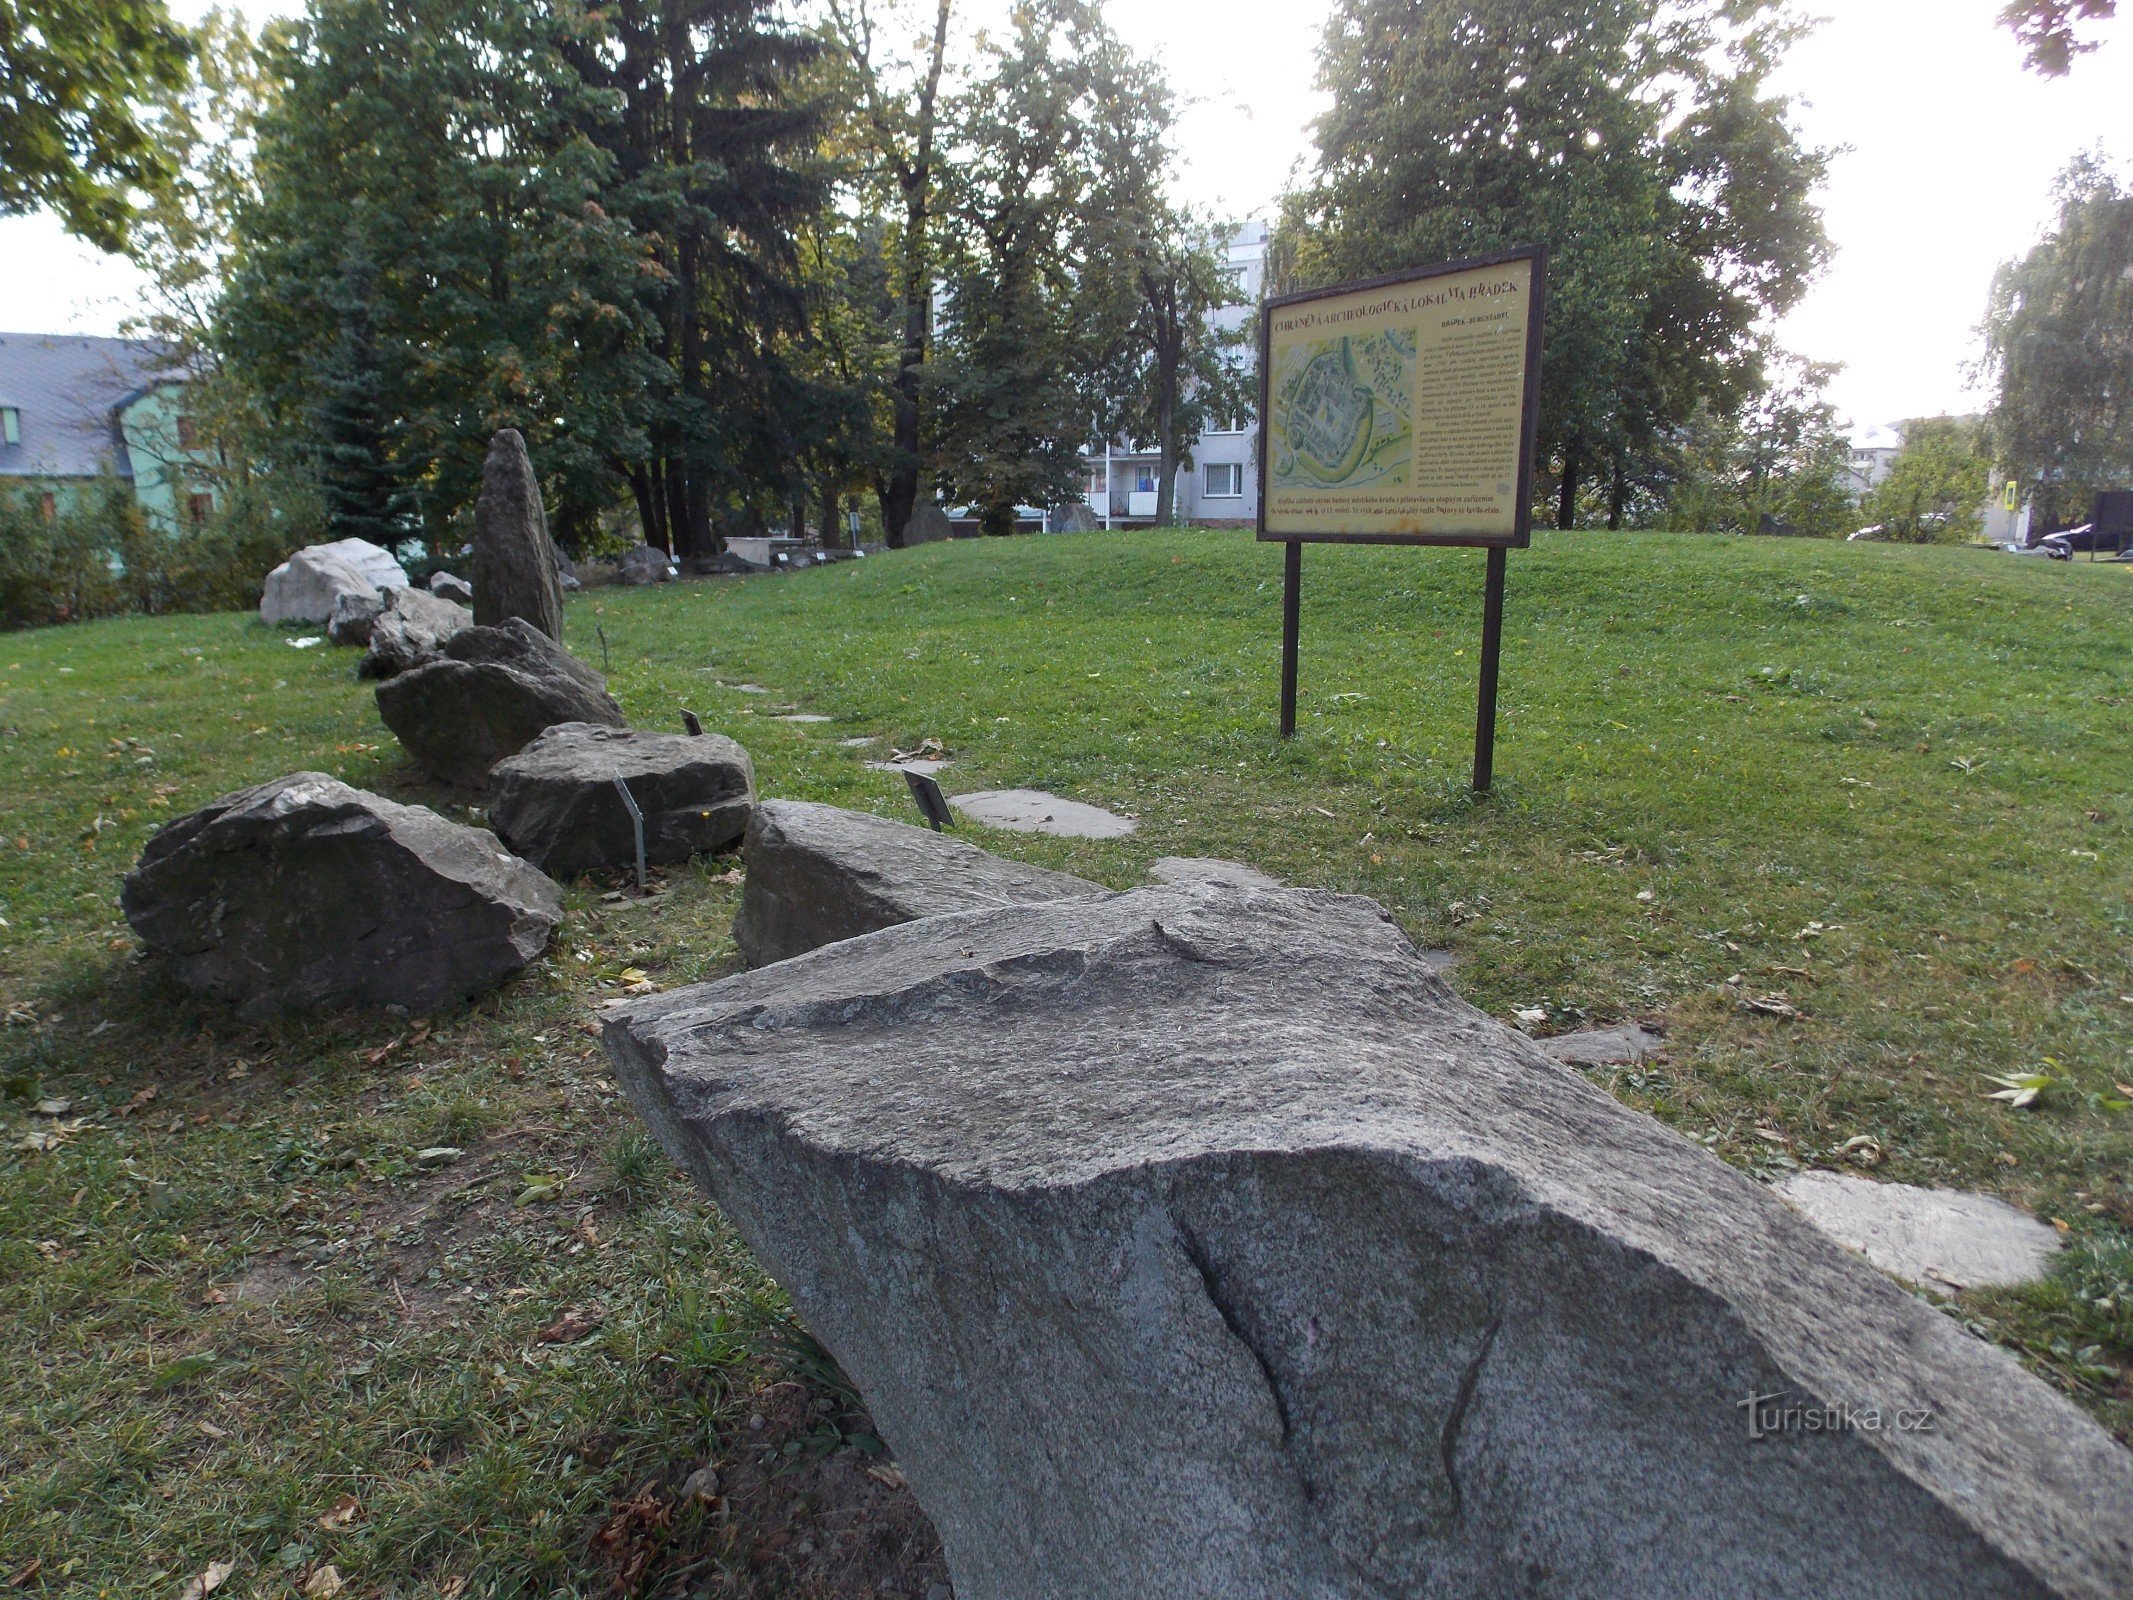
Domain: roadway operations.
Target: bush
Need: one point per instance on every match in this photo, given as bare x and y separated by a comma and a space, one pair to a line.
100, 556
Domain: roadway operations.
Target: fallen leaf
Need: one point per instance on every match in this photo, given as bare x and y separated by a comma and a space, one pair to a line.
2019, 1089
343, 1513
324, 1583
21, 1579
570, 1327
1530, 1016
211, 1578
540, 1186
54, 1108
1769, 1005
453, 1588
631, 975
1645, 897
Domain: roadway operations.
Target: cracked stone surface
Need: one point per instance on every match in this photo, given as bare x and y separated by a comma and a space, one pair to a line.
1034, 811
1198, 1242
1941, 1238
1208, 869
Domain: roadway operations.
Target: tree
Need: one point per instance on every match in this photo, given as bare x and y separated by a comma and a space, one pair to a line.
462, 138
1936, 486
2046, 29
1636, 139
899, 103
714, 171
1159, 363
71, 137
1778, 461
1008, 402
2059, 344
362, 495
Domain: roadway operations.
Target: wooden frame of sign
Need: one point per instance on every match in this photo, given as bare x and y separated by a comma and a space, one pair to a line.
1401, 410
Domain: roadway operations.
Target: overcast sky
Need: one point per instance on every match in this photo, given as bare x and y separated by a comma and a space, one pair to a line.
1950, 152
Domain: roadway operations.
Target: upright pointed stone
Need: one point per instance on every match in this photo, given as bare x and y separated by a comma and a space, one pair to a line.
514, 559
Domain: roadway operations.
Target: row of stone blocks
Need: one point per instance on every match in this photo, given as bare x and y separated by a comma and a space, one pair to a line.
1197, 1241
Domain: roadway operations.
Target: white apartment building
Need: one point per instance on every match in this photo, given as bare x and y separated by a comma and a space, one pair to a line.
1221, 487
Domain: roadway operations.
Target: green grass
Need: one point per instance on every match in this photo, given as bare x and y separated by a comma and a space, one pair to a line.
1887, 785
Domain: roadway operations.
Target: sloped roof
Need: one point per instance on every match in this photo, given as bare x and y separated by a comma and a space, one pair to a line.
66, 387
1878, 437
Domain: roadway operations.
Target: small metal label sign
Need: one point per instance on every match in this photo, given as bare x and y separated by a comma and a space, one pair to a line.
1401, 410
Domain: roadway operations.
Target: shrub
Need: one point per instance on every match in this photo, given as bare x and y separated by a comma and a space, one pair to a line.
100, 555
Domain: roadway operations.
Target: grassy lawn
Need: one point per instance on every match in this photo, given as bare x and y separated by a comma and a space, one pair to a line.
1883, 789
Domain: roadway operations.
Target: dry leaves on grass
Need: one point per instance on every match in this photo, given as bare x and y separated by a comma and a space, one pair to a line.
207, 1581
632, 1537
571, 1326
345, 1510
324, 1583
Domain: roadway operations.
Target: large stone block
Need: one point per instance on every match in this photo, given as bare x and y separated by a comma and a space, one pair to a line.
514, 572
305, 587
412, 627
555, 802
487, 696
306, 892
1197, 1242
817, 874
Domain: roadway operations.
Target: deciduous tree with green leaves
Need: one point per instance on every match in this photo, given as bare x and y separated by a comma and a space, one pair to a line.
1936, 487
2059, 347
73, 74
1638, 139
2050, 30
1777, 461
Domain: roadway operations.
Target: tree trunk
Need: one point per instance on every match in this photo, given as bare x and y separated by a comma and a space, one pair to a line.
832, 534
998, 520
1166, 429
1566, 505
651, 517
899, 492
1616, 495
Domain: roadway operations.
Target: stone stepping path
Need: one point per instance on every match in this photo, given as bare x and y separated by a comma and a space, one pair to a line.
1602, 1047
1034, 811
802, 716
1940, 1238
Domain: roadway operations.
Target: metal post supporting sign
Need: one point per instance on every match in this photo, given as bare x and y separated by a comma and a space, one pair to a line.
1401, 410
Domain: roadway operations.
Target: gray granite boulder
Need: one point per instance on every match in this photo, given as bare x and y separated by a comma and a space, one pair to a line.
354, 613
1199, 1243
644, 565
817, 874
555, 801
928, 524
305, 587
514, 572
413, 626
486, 697
447, 586
306, 892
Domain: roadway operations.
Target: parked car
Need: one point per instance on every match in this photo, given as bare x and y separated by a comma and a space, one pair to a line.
2061, 546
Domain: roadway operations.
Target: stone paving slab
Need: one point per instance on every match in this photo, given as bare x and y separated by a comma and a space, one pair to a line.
1602, 1047
1940, 1238
1034, 811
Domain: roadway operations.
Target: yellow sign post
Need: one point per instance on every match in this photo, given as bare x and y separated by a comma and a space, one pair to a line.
1401, 410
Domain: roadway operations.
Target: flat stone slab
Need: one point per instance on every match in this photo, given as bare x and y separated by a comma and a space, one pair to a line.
818, 874
1935, 1237
1199, 1243
1602, 1047
802, 716
1209, 869
1034, 811
924, 766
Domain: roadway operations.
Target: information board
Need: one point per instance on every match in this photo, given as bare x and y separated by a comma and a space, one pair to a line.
1400, 410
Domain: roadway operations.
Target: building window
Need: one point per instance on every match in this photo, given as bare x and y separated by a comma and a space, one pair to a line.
1144, 480
200, 507
10, 425
1236, 422
188, 436
1225, 479
1099, 481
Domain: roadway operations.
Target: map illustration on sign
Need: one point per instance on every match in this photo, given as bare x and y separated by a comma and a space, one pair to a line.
1343, 411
